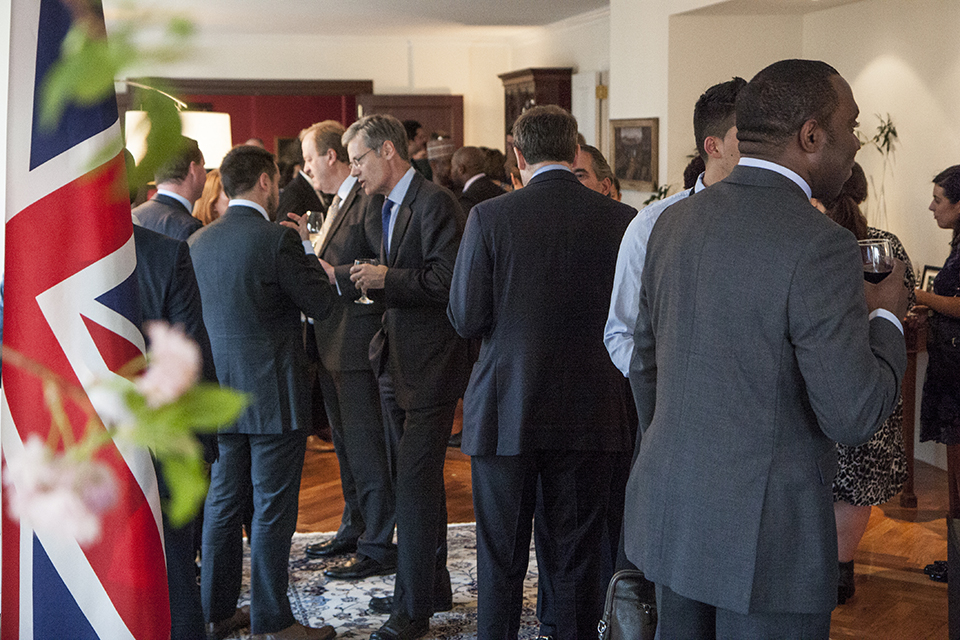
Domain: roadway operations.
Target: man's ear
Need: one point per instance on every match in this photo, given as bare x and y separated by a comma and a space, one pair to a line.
711, 146
607, 185
331, 156
265, 182
811, 136
521, 161
387, 150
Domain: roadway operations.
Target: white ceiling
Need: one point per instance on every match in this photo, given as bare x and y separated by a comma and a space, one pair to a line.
328, 17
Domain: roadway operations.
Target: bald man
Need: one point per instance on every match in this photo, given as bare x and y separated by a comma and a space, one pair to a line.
467, 173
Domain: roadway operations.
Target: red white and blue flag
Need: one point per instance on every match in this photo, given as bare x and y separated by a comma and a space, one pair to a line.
70, 303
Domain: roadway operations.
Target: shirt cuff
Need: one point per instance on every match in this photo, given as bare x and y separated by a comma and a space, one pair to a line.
308, 248
883, 313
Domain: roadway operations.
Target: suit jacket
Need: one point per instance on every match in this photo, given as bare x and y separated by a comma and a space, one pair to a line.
416, 343
168, 216
343, 339
169, 292
533, 280
483, 188
255, 280
298, 197
753, 354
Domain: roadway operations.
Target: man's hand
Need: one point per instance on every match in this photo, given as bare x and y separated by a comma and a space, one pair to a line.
297, 223
368, 276
329, 269
889, 293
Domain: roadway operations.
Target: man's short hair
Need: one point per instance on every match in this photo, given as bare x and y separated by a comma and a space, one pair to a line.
242, 167
326, 135
376, 129
546, 133
601, 168
774, 105
411, 127
176, 168
716, 111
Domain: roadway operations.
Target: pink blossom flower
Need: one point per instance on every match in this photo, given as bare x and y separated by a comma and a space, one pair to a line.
56, 495
174, 365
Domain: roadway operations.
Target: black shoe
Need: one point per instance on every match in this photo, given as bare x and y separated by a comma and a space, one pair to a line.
455, 440
330, 548
400, 627
385, 605
938, 566
360, 566
846, 586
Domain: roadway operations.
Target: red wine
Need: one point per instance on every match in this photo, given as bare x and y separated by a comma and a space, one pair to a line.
872, 274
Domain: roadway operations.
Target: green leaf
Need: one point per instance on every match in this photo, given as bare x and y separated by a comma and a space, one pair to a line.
187, 480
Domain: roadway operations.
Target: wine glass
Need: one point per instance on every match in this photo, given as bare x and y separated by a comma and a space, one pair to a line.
314, 222
877, 257
363, 299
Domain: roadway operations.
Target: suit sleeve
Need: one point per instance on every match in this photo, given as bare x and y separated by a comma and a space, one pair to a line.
852, 367
372, 232
643, 363
441, 227
302, 278
471, 293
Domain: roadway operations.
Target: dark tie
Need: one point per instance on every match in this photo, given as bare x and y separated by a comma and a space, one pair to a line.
385, 217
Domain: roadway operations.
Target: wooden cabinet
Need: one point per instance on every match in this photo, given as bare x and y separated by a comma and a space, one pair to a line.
531, 87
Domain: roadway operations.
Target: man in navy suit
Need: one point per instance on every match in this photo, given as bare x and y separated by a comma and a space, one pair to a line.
256, 278
418, 357
351, 230
546, 413
466, 171
179, 184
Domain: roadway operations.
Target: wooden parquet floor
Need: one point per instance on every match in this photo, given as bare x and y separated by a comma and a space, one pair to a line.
895, 600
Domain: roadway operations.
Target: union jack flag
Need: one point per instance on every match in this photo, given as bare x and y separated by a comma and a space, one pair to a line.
71, 304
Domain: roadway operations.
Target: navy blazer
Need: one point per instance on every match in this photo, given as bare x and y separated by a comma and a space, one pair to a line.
255, 280
533, 281
168, 216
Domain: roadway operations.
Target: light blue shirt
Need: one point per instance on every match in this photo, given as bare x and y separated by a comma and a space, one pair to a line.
550, 167
396, 196
240, 202
179, 198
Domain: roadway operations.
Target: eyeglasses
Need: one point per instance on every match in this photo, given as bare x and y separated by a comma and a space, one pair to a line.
355, 163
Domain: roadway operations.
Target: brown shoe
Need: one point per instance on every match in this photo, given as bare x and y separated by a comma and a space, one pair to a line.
297, 631
222, 629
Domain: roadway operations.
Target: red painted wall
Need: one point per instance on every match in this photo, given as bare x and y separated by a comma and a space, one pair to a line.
272, 117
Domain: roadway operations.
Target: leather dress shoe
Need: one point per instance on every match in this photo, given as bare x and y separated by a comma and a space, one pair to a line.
360, 566
400, 627
297, 631
224, 628
385, 604
332, 547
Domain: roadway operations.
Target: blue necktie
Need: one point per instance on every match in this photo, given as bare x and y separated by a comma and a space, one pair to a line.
385, 218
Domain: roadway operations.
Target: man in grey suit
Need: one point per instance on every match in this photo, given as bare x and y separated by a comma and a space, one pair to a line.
180, 183
754, 353
351, 230
545, 416
255, 279
418, 358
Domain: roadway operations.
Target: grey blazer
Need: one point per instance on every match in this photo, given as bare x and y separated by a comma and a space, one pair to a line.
753, 355
255, 280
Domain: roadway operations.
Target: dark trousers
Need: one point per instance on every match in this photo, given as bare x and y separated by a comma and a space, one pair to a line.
418, 449
681, 618
352, 401
186, 615
573, 494
268, 467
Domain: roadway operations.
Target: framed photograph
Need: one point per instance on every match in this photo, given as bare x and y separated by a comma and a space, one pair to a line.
634, 152
929, 273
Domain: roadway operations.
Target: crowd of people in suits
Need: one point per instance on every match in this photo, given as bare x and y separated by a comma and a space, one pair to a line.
662, 390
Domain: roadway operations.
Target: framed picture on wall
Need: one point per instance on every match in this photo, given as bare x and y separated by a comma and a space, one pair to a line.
929, 273
634, 152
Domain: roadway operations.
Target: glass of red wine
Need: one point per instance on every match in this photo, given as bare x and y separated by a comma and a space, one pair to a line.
877, 257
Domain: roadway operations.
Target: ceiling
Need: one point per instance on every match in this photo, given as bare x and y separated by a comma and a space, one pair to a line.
359, 17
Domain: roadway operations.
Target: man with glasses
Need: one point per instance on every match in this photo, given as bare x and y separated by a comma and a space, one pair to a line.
418, 358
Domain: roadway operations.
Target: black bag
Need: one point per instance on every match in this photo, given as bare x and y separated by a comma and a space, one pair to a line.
630, 610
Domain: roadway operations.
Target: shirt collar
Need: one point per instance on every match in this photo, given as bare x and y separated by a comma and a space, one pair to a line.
550, 167
778, 168
472, 180
399, 191
345, 187
699, 186
179, 198
240, 202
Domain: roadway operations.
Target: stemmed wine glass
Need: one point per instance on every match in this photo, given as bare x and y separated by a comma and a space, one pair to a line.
877, 257
363, 299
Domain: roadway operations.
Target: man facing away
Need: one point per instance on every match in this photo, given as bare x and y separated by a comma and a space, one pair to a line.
715, 131
255, 279
180, 183
351, 230
753, 354
467, 173
418, 358
545, 407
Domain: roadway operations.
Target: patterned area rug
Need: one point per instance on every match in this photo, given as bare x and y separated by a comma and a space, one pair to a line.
317, 601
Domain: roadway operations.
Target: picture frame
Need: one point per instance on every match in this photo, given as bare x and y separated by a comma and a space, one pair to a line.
635, 152
929, 273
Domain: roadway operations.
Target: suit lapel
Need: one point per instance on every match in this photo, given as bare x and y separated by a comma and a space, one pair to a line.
404, 213
341, 214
